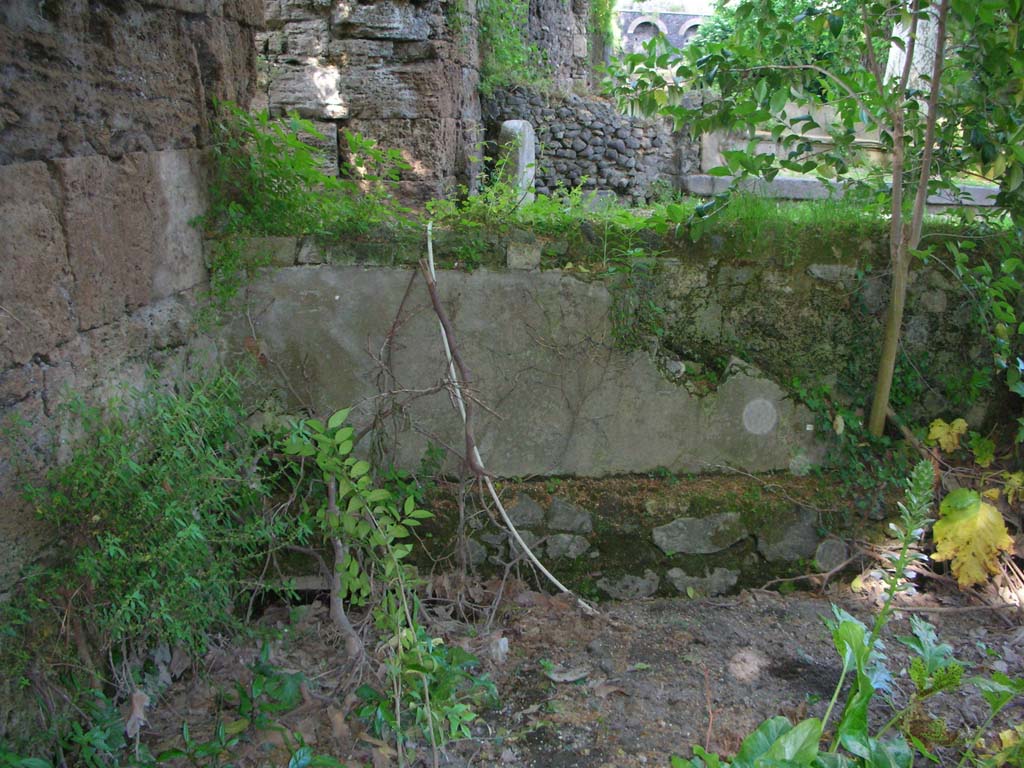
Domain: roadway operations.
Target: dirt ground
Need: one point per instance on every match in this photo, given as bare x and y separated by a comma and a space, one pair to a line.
639, 682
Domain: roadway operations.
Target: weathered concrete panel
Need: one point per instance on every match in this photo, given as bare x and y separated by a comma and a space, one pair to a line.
129, 236
35, 307
539, 348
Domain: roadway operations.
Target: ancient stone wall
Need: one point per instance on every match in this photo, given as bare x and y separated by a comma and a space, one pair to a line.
560, 30
403, 73
588, 141
103, 113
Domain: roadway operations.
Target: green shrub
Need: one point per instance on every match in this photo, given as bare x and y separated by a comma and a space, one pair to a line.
162, 518
268, 179
507, 57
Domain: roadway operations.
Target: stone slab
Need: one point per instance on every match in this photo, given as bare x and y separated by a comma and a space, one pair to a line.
801, 188
629, 587
699, 535
130, 240
565, 545
382, 20
565, 516
518, 147
35, 279
718, 582
792, 537
312, 92
541, 354
526, 513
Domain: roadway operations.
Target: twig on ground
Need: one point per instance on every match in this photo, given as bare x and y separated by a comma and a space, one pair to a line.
820, 580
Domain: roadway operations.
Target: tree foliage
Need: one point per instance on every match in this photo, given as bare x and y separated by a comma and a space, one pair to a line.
960, 115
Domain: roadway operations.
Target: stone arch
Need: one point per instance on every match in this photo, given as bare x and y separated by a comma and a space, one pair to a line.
688, 30
647, 20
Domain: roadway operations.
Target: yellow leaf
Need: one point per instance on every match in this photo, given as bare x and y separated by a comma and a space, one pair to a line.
946, 435
1010, 737
971, 533
992, 494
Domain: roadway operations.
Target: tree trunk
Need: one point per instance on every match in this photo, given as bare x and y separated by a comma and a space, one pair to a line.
903, 239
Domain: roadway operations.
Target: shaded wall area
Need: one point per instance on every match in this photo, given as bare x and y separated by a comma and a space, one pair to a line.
104, 111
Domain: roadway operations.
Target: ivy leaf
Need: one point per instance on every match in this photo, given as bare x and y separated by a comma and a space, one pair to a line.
946, 435
972, 534
1014, 488
983, 448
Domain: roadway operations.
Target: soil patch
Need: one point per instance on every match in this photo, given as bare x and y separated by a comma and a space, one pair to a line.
648, 678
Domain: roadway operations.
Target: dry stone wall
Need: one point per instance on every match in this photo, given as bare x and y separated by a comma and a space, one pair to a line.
104, 111
588, 141
399, 72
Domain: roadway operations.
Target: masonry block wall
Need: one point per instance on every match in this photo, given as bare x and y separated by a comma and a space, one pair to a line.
403, 73
104, 111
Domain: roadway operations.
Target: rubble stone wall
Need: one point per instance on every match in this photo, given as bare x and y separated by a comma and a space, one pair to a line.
104, 111
586, 140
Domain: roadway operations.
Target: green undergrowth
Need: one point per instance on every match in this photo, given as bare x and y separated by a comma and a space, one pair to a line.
174, 519
163, 521
911, 732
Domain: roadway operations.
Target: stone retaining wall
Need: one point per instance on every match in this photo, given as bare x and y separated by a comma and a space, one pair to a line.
103, 114
588, 141
701, 389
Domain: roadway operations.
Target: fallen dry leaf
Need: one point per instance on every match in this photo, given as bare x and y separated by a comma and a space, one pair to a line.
137, 716
604, 690
339, 728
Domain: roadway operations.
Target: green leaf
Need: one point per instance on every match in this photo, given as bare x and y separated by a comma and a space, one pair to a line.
961, 500
779, 100
719, 170
835, 24
832, 760
359, 469
171, 754
325, 761
761, 740
891, 754
302, 758
799, 745
338, 418
853, 728
998, 690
